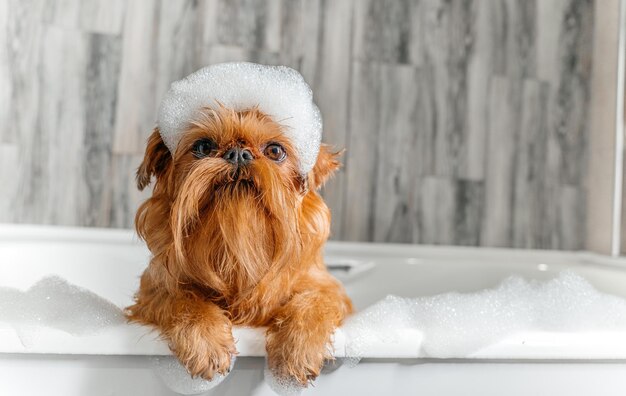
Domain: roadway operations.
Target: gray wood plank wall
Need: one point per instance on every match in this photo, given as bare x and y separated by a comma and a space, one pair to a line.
465, 121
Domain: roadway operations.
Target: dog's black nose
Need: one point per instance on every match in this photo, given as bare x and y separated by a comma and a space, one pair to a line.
239, 156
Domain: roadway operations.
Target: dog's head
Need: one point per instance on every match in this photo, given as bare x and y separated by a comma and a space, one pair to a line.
231, 195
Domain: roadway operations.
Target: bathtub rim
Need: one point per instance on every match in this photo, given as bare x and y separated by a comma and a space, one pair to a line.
47, 233
252, 341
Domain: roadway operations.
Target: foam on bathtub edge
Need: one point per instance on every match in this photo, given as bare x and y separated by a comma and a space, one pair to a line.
407, 344
461, 325
176, 377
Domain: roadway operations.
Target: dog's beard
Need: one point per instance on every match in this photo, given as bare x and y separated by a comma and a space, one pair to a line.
231, 228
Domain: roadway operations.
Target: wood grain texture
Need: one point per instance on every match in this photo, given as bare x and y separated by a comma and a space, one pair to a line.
62, 124
529, 211
361, 166
6, 93
398, 165
100, 98
330, 69
23, 33
465, 121
497, 220
136, 105
602, 139
8, 180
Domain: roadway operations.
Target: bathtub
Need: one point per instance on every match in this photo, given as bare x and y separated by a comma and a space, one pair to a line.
119, 360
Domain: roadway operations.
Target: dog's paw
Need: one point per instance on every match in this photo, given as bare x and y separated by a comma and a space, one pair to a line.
204, 353
296, 355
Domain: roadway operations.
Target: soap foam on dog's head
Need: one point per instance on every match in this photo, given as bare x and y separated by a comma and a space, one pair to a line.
277, 91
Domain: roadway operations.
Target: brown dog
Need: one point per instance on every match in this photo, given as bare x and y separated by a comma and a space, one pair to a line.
236, 234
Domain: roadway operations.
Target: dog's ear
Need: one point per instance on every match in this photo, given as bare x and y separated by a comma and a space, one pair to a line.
325, 166
155, 160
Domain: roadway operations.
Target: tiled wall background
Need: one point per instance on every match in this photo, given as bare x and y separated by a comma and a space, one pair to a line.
465, 121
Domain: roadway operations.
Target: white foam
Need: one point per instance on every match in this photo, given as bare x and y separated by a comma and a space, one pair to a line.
54, 303
278, 91
280, 385
449, 325
178, 379
456, 325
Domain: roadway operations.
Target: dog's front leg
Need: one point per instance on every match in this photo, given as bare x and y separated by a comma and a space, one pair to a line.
202, 338
197, 330
299, 338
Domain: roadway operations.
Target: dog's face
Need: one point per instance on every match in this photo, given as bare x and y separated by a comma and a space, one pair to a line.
227, 154
228, 204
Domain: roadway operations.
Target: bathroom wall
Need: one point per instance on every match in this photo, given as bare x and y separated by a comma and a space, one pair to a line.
465, 122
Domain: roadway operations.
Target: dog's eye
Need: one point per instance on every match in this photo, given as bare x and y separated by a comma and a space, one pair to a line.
203, 147
275, 152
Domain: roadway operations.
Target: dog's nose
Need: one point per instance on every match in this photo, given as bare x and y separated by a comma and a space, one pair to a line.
238, 156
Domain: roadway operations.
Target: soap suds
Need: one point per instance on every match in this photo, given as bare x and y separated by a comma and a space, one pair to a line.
280, 385
451, 324
278, 91
456, 325
54, 303
178, 379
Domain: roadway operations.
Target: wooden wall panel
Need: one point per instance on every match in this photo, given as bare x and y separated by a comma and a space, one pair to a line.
465, 121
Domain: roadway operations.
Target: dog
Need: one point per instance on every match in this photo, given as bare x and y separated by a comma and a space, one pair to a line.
237, 234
